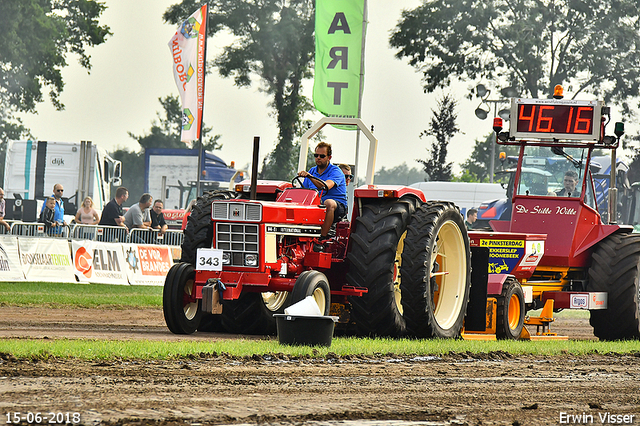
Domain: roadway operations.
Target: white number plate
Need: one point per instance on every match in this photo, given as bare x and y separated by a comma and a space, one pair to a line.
209, 260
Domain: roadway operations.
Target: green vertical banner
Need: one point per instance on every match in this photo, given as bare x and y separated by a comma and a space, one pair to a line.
340, 30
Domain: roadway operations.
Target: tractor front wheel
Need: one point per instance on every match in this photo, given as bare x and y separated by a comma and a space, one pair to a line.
615, 269
313, 283
436, 271
182, 311
510, 315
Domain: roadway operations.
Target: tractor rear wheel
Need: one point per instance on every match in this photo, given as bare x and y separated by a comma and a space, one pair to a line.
182, 311
510, 311
615, 269
436, 271
374, 262
199, 230
313, 283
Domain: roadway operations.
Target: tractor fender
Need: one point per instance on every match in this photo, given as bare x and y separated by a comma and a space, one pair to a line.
495, 283
388, 191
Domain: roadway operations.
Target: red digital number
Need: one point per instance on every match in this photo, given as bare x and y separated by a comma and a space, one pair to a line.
569, 120
544, 123
583, 125
527, 118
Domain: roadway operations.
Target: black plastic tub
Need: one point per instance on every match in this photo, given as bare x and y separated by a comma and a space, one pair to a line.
305, 330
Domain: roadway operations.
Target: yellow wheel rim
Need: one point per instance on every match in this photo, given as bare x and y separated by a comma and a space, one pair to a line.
449, 268
321, 300
514, 312
190, 308
274, 300
397, 278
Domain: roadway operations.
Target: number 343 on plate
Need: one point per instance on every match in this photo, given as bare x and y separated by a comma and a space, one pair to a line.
209, 259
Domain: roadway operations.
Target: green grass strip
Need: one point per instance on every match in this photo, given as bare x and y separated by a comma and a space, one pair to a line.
343, 347
79, 295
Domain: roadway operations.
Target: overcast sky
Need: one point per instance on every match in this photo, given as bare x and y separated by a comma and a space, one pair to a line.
133, 69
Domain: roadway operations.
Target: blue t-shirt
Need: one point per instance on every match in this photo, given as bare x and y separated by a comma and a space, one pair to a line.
333, 173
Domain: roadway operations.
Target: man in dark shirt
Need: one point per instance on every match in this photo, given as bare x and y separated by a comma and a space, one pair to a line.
157, 217
112, 215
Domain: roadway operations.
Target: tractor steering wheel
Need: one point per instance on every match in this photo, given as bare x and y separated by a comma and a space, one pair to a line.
300, 180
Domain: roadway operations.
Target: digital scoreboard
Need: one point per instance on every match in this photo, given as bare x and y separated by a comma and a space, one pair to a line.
560, 119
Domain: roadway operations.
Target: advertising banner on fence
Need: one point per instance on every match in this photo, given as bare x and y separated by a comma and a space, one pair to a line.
99, 263
46, 260
147, 264
10, 268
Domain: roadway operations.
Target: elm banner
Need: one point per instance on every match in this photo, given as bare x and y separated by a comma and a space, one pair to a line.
188, 49
46, 260
10, 268
147, 264
99, 263
340, 31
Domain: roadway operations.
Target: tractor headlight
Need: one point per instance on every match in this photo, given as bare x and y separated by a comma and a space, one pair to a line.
250, 259
226, 258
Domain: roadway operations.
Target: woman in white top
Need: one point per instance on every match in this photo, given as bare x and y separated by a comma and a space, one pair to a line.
86, 214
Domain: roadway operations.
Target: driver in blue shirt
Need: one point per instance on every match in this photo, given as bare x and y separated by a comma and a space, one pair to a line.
335, 199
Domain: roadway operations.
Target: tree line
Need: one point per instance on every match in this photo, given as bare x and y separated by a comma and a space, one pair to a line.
592, 48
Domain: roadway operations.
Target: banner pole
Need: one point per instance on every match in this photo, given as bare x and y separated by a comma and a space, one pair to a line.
361, 88
205, 21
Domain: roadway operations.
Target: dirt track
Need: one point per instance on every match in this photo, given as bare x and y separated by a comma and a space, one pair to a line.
213, 389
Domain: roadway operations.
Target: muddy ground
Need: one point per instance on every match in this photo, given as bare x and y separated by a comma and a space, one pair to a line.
492, 389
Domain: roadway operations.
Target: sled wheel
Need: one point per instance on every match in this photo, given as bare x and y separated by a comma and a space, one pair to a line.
615, 269
313, 283
374, 263
436, 271
182, 311
510, 311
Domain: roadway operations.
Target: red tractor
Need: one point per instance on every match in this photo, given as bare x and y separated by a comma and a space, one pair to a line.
583, 263
246, 258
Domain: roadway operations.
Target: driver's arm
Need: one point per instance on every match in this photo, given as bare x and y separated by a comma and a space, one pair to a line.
330, 184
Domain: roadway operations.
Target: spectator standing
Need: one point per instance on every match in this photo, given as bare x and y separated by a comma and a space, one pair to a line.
157, 218
472, 216
113, 215
47, 216
138, 215
58, 210
2, 211
86, 214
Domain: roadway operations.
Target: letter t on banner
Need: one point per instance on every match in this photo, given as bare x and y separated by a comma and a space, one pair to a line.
188, 49
340, 32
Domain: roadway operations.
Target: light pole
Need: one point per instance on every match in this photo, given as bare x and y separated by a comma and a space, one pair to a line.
483, 94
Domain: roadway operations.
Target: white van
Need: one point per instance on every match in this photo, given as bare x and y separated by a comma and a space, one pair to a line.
465, 195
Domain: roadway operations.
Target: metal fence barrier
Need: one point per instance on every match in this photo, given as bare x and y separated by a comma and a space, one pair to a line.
152, 236
28, 229
119, 234
102, 233
3, 230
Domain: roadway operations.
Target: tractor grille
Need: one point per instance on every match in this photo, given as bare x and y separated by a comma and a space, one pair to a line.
244, 212
239, 243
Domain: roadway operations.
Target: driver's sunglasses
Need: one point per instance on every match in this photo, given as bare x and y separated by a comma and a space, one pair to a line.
348, 176
319, 155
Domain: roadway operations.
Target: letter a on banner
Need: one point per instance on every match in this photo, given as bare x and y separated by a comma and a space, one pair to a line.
340, 32
188, 50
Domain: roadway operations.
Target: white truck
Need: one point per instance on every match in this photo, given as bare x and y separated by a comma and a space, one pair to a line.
32, 168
